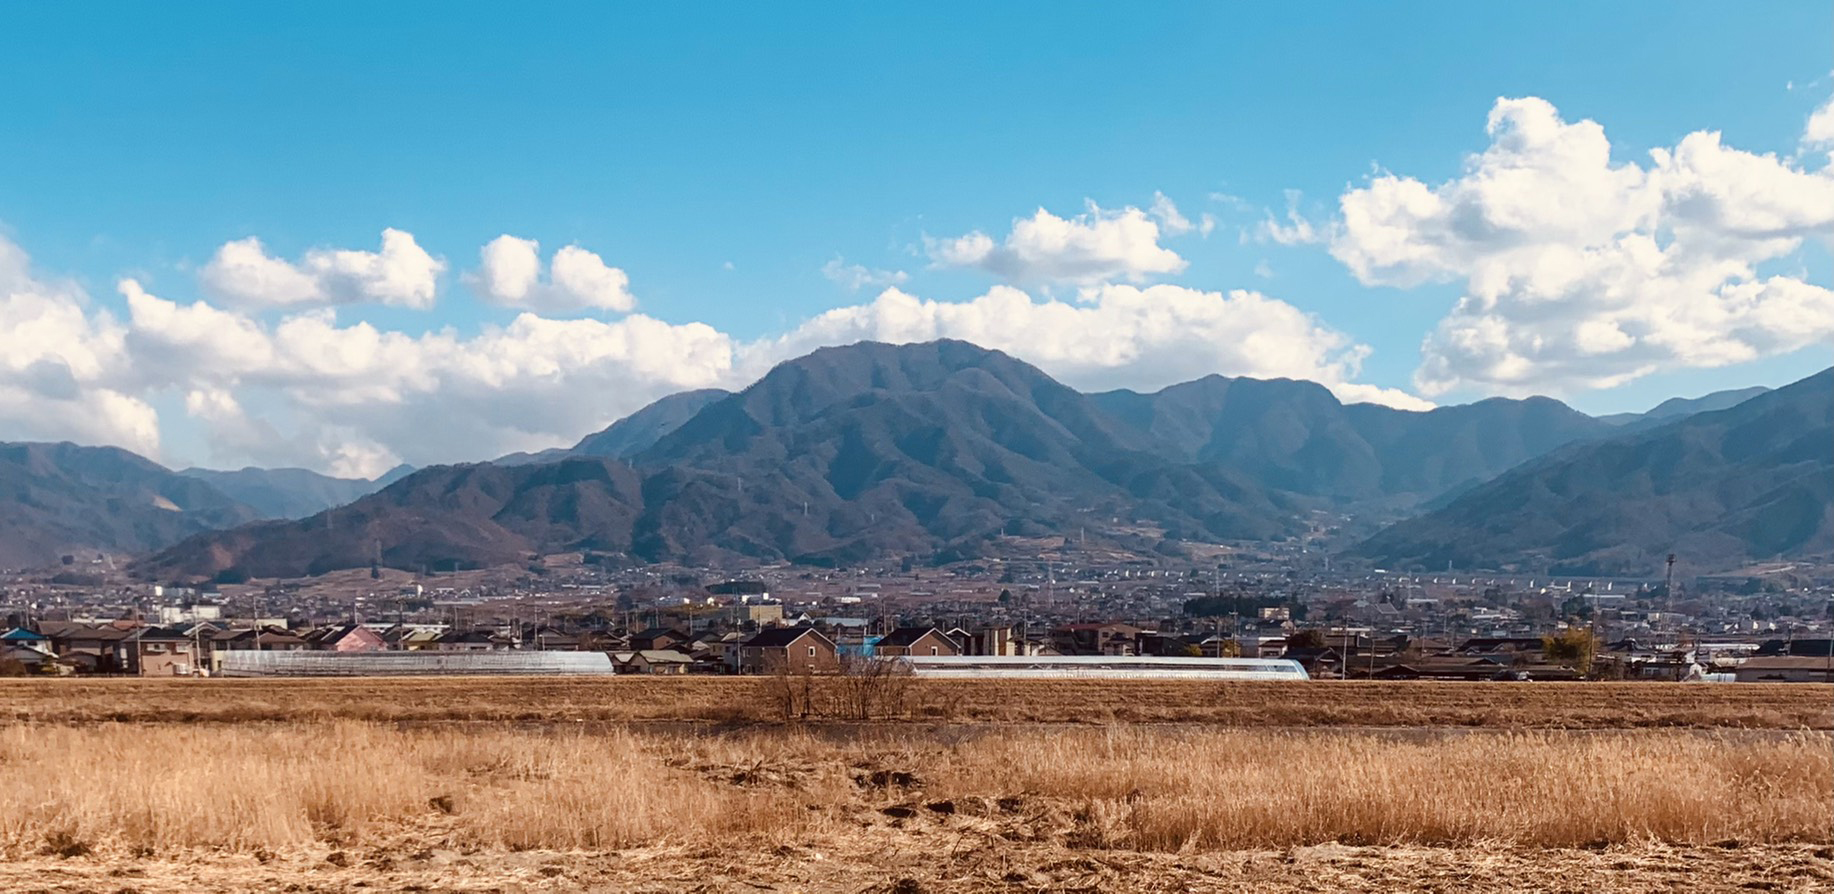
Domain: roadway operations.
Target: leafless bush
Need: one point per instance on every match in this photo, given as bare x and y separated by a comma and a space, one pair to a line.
860, 688
870, 689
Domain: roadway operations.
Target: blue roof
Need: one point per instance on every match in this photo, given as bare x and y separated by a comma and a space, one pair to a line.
20, 634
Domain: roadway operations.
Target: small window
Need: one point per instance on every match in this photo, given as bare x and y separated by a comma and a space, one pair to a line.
932, 650
811, 651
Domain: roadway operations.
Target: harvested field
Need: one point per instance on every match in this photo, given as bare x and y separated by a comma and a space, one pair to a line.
345, 805
723, 700
655, 784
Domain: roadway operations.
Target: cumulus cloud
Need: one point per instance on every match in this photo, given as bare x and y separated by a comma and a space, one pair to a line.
1112, 336
1819, 134
1578, 272
1094, 246
367, 398
854, 277
243, 274
309, 388
63, 370
510, 273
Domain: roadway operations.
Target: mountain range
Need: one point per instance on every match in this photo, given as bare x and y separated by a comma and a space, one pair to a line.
63, 499
1723, 487
292, 493
1677, 407
935, 450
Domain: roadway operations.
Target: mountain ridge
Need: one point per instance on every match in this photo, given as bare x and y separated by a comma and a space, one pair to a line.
924, 450
1722, 487
62, 498
292, 492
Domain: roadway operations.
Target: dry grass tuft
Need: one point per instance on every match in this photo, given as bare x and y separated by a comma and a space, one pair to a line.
1158, 791
249, 789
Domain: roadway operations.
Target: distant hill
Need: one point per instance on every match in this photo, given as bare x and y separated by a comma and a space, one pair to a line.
933, 451
1720, 488
58, 499
441, 518
1677, 407
1295, 436
894, 448
632, 434
846, 453
291, 493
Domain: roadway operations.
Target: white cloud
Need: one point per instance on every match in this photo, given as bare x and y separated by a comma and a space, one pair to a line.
355, 399
1578, 272
1113, 336
1094, 246
1296, 231
510, 273
308, 389
242, 273
1166, 213
63, 371
854, 277
1819, 134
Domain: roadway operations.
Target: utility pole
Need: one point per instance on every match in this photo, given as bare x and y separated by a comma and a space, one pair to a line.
1668, 587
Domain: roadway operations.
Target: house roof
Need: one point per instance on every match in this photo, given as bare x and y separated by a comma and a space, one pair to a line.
905, 636
330, 635
778, 637
1786, 662
72, 631
30, 651
270, 635
22, 635
662, 656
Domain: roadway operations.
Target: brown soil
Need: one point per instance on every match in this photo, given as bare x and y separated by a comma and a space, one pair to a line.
946, 855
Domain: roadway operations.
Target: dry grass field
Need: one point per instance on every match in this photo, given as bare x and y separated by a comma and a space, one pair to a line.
505, 784
175, 807
750, 700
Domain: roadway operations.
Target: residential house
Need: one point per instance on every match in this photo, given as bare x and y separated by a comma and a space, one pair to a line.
657, 639
1321, 663
1097, 639
89, 647
19, 636
346, 638
156, 652
652, 661
247, 639
549, 639
986, 641
471, 641
907, 641
1786, 669
792, 649
33, 657
413, 638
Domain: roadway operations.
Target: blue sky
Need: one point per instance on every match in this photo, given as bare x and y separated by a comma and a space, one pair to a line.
721, 155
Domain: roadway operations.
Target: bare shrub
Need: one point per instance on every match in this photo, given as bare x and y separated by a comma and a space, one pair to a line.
869, 689
861, 688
